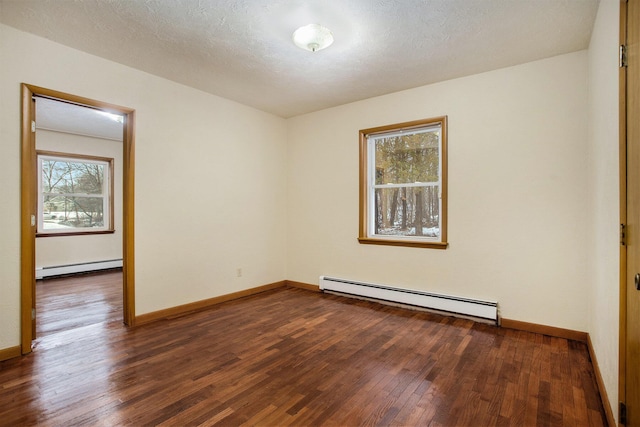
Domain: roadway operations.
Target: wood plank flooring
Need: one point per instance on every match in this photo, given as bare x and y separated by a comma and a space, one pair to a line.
293, 357
72, 302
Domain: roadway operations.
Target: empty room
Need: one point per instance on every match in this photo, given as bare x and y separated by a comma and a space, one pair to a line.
298, 212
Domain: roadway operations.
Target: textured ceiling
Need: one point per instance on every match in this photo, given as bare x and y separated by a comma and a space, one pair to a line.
242, 49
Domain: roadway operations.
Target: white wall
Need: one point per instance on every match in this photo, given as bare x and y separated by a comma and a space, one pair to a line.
604, 194
64, 250
517, 192
210, 178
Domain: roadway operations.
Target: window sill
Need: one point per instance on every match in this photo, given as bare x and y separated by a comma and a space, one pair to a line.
409, 243
75, 233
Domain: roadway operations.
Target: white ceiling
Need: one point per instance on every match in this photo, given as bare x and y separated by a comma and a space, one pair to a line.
64, 117
242, 49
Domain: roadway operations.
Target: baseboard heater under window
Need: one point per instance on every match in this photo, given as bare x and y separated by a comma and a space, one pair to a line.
59, 270
486, 311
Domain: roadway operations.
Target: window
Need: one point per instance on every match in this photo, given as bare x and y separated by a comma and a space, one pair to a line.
75, 194
403, 184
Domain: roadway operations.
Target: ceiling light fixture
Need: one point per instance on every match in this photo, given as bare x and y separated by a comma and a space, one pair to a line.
312, 37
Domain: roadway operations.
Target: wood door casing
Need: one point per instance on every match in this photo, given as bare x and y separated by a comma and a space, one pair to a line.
28, 205
630, 213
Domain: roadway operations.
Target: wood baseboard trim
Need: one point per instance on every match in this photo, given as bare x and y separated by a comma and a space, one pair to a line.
181, 310
601, 388
10, 353
302, 285
545, 330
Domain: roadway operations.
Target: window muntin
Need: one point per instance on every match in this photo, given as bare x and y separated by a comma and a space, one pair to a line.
74, 194
403, 184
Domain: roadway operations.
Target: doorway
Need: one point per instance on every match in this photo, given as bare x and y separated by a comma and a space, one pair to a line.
29, 204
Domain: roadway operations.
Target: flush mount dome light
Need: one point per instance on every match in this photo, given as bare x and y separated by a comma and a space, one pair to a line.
312, 37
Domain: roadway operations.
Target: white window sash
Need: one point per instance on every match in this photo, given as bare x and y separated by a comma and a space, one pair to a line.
97, 196
402, 132
105, 195
408, 185
371, 187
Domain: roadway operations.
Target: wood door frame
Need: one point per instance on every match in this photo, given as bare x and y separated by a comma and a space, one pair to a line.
28, 205
622, 111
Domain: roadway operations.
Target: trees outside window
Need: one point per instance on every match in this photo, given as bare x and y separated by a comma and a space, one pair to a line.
403, 186
75, 194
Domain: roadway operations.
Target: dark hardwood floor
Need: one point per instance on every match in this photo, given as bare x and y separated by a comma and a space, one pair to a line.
290, 357
67, 303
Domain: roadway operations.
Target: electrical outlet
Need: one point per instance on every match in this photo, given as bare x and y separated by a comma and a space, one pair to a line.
239, 272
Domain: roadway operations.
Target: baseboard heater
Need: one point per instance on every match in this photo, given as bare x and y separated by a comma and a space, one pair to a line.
485, 311
60, 270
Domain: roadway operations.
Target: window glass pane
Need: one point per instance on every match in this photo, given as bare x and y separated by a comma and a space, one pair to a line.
74, 194
61, 212
69, 177
407, 211
410, 158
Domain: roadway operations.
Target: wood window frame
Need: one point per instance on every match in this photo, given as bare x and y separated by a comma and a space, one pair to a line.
364, 236
109, 227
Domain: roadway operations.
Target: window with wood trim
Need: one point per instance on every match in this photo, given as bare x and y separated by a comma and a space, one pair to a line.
75, 194
403, 184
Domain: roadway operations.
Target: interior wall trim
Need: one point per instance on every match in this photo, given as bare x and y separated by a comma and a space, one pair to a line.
622, 156
196, 306
10, 353
552, 331
28, 205
301, 285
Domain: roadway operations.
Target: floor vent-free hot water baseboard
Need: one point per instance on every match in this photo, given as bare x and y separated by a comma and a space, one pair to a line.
83, 267
480, 310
